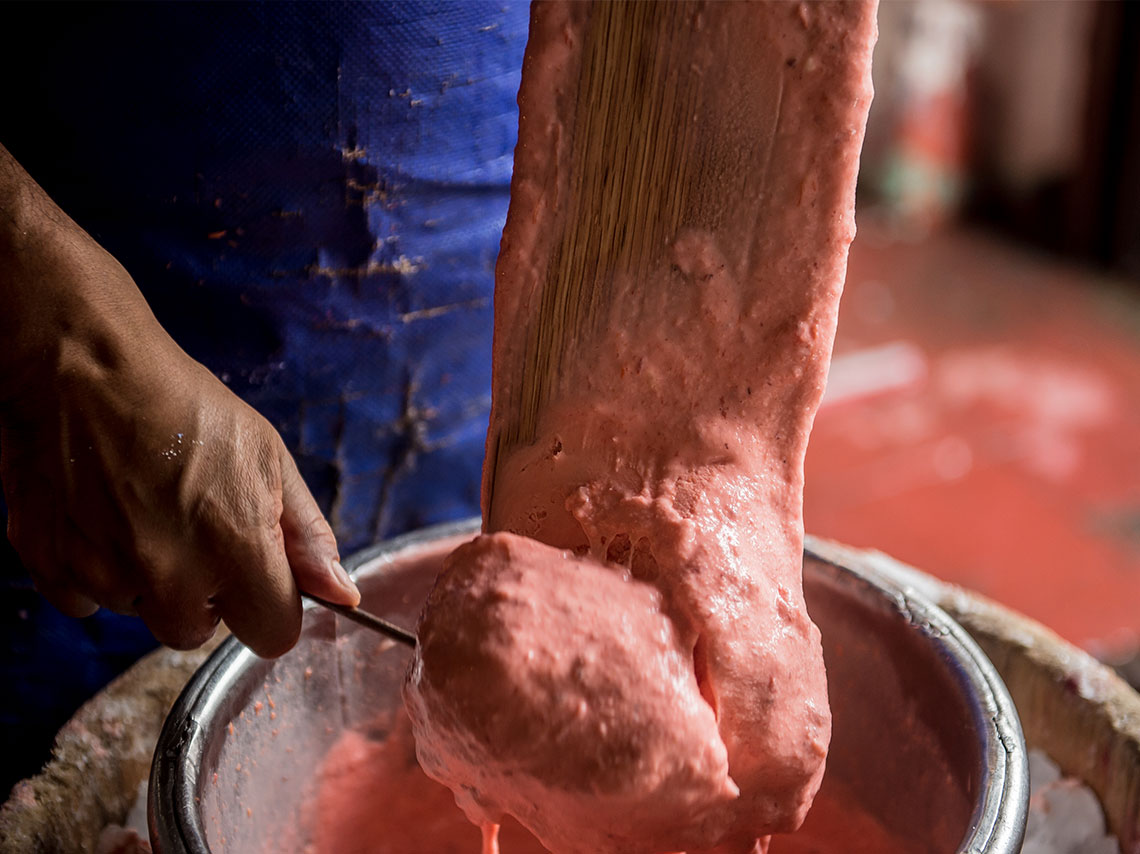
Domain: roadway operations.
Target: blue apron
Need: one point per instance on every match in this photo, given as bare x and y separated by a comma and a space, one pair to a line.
311, 197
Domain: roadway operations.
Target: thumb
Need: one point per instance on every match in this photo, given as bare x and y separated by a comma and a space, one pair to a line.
310, 546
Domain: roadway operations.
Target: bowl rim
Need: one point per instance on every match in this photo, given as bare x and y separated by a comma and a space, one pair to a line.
997, 823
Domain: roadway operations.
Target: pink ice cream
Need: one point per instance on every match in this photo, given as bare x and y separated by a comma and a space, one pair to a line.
596, 699
543, 654
371, 797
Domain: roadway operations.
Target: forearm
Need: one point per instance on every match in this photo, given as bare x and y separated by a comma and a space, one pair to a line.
20, 229
21, 200
57, 287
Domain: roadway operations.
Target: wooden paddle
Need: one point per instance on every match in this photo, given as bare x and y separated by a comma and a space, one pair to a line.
641, 120
650, 153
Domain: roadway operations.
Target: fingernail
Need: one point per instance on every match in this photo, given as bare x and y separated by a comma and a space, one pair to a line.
341, 575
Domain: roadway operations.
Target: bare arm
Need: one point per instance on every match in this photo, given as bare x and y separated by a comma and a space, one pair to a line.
135, 479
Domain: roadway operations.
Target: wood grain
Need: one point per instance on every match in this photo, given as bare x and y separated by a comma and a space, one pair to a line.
647, 159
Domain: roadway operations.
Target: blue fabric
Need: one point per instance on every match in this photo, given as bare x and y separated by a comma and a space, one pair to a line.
311, 198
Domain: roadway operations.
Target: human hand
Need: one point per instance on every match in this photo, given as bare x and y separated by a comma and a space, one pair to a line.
135, 479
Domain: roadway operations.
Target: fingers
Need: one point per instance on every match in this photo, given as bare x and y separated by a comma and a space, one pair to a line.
67, 600
100, 571
181, 628
222, 570
30, 520
309, 542
176, 604
230, 564
259, 600
233, 547
52, 579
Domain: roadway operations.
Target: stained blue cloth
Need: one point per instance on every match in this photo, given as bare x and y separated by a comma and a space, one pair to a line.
311, 197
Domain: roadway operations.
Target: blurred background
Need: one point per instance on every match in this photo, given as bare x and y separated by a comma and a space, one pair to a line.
982, 420
311, 195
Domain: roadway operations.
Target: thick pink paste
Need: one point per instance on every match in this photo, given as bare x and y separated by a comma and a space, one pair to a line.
627, 665
373, 798
568, 676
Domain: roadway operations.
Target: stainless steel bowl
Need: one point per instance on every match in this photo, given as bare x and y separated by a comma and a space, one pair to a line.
925, 736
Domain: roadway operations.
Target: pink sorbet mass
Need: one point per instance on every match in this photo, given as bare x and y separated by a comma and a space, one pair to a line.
566, 674
624, 661
372, 797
